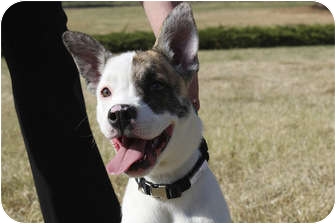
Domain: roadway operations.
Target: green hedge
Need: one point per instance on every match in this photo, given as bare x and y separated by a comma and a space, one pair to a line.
117, 42
243, 37
232, 37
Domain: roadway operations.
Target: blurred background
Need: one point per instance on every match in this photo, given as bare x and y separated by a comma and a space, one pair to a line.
267, 91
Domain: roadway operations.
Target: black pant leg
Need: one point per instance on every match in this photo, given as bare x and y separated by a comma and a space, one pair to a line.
69, 175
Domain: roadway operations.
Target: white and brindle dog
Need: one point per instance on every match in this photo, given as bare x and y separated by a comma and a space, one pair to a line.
144, 110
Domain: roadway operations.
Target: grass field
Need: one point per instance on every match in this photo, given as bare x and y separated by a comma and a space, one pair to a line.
269, 121
268, 116
115, 19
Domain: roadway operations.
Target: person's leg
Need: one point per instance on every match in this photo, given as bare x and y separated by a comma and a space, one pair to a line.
70, 177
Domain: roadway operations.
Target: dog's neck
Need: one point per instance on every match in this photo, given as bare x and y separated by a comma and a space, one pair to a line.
177, 172
181, 154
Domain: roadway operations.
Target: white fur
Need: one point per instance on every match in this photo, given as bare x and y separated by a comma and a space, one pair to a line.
117, 76
204, 202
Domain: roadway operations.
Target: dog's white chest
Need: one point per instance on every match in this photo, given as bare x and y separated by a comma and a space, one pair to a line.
144, 109
203, 202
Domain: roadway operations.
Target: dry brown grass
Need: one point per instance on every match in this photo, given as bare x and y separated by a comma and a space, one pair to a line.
17, 190
268, 116
269, 122
107, 20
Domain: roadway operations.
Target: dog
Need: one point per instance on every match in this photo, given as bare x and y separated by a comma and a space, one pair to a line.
144, 110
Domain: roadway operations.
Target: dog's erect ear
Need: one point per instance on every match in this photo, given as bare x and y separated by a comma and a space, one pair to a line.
178, 40
89, 55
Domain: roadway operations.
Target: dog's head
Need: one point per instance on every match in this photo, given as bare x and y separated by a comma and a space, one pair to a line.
142, 97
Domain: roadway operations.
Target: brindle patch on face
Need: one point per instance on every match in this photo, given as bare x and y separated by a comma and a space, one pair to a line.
159, 85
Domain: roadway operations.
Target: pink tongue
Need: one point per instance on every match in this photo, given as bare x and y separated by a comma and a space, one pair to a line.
126, 157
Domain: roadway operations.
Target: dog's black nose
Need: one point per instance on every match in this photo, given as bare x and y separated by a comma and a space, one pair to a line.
121, 116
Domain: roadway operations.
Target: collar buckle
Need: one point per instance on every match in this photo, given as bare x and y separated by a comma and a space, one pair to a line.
175, 190
159, 191
155, 190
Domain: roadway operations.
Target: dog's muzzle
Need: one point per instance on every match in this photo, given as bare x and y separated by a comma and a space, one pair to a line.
121, 117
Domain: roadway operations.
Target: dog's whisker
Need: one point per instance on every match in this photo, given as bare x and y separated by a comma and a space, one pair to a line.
156, 134
86, 136
81, 122
93, 143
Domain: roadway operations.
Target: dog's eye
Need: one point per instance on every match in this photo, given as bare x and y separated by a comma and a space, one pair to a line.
105, 92
157, 86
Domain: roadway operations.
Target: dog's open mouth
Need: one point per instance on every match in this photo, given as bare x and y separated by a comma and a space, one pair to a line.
135, 155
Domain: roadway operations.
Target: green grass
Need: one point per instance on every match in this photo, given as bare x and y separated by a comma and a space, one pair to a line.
132, 18
269, 122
